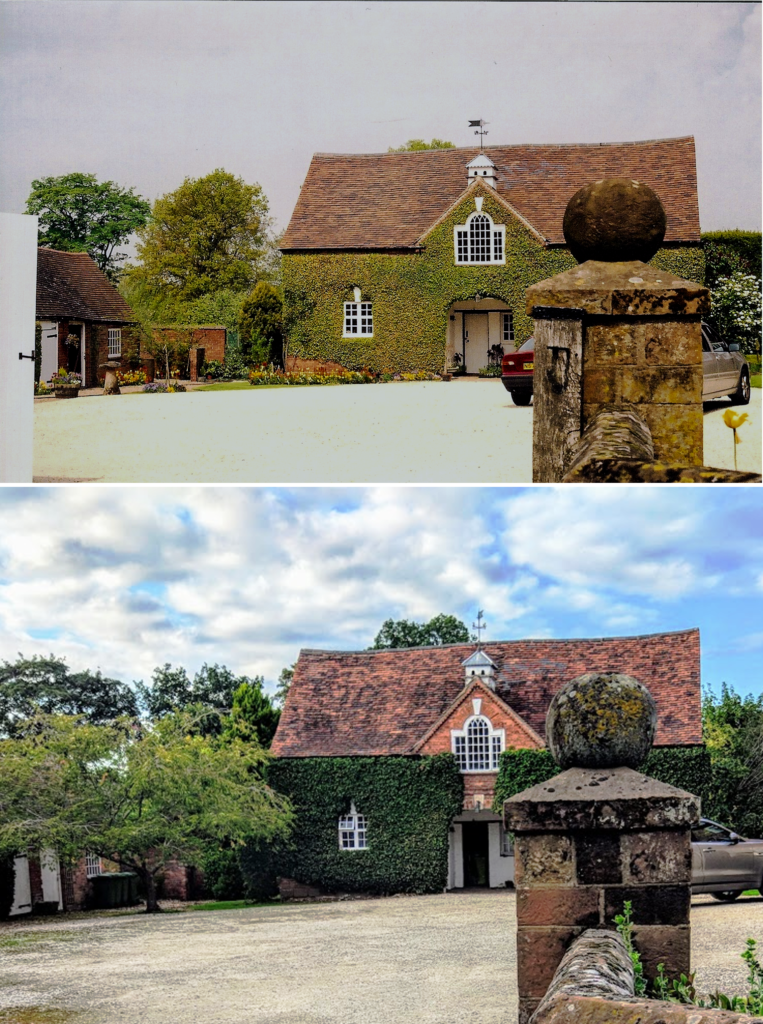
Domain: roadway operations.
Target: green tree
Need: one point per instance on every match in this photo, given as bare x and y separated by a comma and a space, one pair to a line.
735, 310
260, 324
284, 685
209, 234
77, 214
38, 684
442, 629
732, 728
253, 717
416, 144
138, 795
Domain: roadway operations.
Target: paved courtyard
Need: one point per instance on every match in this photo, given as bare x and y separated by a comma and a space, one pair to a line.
465, 431
447, 959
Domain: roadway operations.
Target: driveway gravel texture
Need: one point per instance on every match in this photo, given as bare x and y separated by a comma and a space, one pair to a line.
465, 431
402, 960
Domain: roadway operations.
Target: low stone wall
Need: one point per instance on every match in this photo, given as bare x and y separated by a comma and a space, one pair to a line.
617, 448
594, 984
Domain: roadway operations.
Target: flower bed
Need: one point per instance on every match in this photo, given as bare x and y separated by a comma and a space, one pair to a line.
154, 389
265, 376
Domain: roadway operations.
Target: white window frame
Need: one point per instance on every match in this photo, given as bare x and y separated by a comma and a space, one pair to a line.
464, 247
115, 342
352, 831
93, 865
507, 328
465, 747
358, 320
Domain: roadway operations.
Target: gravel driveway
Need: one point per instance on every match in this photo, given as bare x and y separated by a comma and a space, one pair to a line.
447, 959
465, 431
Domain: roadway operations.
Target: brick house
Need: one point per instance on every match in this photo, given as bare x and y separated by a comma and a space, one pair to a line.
85, 321
407, 261
474, 702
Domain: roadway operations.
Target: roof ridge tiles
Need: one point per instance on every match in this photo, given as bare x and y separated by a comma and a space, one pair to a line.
513, 145
521, 640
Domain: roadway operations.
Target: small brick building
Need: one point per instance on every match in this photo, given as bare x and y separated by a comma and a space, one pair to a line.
474, 702
85, 321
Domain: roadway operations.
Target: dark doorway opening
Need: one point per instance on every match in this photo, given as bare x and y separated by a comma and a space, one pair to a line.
475, 843
74, 349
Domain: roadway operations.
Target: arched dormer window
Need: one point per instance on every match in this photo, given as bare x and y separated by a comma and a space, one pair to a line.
479, 241
478, 745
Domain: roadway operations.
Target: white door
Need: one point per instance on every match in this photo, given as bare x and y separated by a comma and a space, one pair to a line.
475, 341
49, 349
51, 878
22, 895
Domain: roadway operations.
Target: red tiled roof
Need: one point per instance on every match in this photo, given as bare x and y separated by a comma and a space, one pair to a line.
383, 702
69, 284
389, 200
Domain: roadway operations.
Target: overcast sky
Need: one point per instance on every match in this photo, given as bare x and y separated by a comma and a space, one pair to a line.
147, 93
125, 579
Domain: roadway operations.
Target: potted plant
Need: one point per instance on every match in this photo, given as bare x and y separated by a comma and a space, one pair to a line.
66, 385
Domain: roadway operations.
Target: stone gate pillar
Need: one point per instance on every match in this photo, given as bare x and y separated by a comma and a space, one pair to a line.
598, 834
615, 333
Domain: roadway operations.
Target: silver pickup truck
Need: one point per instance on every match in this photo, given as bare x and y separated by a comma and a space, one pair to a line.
723, 863
724, 369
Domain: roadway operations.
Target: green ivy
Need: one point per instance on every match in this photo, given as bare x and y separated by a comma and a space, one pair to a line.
687, 768
408, 802
412, 292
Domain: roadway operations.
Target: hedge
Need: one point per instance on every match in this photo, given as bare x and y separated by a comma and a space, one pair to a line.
687, 768
729, 251
409, 803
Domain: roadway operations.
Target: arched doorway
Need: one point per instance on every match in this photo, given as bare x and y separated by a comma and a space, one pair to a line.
477, 329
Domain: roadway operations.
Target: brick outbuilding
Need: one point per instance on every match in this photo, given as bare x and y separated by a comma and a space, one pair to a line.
474, 701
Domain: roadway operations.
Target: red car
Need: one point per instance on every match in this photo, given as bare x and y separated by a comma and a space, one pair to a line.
517, 372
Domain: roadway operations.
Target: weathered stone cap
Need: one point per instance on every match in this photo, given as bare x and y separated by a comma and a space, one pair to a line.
600, 798
621, 289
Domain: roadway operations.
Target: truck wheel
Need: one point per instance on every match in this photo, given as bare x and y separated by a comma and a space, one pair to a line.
728, 896
521, 397
742, 394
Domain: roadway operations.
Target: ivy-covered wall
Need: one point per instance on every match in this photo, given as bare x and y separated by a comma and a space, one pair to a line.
687, 768
412, 292
409, 803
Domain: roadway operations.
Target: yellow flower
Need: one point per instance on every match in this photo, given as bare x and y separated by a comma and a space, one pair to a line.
733, 419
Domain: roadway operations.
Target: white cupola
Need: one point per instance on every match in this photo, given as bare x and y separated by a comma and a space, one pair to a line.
481, 167
480, 666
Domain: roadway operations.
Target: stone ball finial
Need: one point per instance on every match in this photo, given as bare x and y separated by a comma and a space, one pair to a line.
601, 720
614, 220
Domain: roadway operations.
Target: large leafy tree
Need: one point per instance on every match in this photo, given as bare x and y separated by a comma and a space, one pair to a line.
138, 795
39, 684
79, 214
207, 235
214, 695
416, 144
442, 629
732, 728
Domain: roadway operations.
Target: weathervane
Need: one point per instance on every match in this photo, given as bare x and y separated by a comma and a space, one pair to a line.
479, 625
479, 125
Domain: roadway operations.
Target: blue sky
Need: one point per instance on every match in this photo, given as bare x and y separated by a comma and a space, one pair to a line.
126, 578
147, 92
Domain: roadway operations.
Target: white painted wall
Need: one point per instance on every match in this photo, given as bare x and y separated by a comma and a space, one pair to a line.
18, 287
501, 868
22, 897
455, 858
49, 349
51, 878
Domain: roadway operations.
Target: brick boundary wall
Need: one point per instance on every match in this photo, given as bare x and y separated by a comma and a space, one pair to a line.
594, 984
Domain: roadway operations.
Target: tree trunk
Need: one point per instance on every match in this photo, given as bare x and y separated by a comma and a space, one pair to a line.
152, 903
